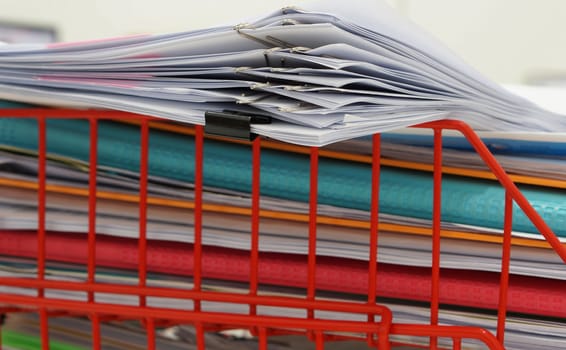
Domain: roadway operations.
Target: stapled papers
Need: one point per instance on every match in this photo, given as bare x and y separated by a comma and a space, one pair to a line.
325, 74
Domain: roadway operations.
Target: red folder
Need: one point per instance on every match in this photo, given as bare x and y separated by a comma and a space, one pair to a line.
478, 289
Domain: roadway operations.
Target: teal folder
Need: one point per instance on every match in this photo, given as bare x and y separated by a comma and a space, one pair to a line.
286, 175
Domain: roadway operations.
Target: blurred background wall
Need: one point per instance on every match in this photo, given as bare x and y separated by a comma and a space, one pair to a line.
510, 41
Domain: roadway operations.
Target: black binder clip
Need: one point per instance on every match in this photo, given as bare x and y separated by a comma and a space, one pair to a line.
233, 124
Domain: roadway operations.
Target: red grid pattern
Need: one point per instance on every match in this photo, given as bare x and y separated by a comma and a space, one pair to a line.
378, 327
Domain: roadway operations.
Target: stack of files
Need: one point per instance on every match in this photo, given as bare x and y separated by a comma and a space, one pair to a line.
21, 330
468, 203
328, 73
522, 332
324, 75
470, 247
533, 158
529, 158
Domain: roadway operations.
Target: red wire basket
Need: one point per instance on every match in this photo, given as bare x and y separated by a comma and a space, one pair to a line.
375, 327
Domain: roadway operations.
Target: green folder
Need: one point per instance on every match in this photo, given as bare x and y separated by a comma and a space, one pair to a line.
20, 341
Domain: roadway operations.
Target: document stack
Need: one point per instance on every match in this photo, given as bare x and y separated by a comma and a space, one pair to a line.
330, 75
327, 74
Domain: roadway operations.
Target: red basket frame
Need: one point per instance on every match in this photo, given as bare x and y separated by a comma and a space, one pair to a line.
378, 326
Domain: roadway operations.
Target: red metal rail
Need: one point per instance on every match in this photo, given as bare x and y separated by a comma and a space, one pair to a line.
377, 328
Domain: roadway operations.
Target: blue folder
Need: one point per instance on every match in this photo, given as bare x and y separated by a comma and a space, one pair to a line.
497, 145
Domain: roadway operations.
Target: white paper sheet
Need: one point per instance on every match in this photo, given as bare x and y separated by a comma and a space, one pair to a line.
289, 64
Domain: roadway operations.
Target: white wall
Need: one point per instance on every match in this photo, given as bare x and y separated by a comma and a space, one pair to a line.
508, 40
91, 19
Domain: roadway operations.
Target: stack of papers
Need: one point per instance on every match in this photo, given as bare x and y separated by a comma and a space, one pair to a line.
172, 220
325, 74
522, 332
405, 223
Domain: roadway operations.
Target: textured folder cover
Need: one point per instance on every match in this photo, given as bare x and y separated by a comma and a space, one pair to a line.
291, 217
458, 287
341, 183
359, 150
